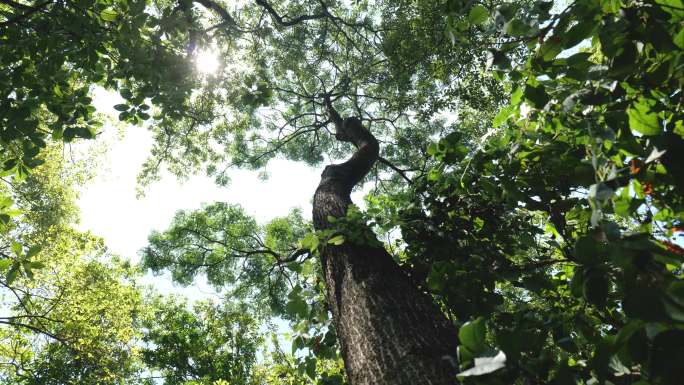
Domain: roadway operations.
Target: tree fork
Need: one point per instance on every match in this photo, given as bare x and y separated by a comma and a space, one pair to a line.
389, 331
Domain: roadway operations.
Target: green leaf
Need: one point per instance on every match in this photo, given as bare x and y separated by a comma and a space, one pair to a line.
503, 115
667, 355
537, 95
296, 306
679, 39
12, 273
472, 335
33, 250
336, 240
516, 96
478, 15
310, 367
310, 242
578, 33
587, 250
10, 164
516, 28
595, 288
108, 14
498, 60
126, 93
644, 303
5, 264
642, 119
550, 49
27, 270
121, 107
17, 248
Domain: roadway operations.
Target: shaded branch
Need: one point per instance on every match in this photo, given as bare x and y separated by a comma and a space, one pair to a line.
218, 9
395, 168
288, 23
34, 329
16, 5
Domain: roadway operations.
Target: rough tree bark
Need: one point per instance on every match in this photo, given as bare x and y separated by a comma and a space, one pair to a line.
389, 331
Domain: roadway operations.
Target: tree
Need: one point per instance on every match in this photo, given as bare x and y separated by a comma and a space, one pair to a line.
432, 351
208, 344
559, 201
74, 314
68, 308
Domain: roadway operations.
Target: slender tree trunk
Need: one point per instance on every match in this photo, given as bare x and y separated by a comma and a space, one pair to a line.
389, 331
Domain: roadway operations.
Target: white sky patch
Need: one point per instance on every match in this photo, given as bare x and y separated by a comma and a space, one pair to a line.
207, 61
111, 210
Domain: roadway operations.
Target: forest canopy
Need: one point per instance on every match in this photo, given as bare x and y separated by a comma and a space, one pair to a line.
522, 163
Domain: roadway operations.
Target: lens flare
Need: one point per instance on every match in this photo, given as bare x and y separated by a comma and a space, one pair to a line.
207, 61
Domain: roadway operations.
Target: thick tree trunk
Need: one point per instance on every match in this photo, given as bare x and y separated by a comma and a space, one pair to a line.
389, 331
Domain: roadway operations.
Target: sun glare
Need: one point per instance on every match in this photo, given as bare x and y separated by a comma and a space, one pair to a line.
206, 61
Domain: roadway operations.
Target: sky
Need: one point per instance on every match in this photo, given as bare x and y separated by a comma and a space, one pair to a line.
110, 209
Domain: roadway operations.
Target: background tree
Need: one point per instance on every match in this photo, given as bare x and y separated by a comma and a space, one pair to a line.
67, 312
202, 345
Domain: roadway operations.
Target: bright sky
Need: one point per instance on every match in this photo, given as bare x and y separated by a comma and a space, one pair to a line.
111, 210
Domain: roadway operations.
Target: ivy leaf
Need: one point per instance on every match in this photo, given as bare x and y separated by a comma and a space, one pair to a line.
642, 119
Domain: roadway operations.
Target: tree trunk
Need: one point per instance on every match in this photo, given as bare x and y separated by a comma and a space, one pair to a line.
389, 331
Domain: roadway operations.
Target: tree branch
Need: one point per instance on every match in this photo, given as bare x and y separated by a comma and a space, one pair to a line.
217, 8
395, 168
34, 329
288, 23
14, 4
